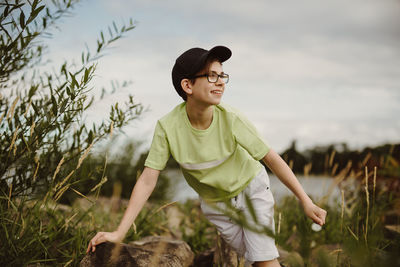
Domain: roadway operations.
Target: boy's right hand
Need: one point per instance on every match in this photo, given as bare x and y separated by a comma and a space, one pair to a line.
101, 237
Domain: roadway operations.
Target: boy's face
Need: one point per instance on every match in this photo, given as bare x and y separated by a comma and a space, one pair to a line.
205, 92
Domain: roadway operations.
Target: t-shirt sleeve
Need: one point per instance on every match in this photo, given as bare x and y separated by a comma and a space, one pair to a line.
159, 150
248, 137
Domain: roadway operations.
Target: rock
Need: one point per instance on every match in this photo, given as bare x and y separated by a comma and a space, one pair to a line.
150, 251
204, 259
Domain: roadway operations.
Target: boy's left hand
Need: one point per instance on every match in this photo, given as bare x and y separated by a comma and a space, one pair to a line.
314, 212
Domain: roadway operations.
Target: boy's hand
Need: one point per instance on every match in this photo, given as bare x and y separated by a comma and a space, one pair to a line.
314, 212
101, 237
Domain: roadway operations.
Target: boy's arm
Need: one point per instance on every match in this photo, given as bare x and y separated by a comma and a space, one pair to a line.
140, 193
279, 167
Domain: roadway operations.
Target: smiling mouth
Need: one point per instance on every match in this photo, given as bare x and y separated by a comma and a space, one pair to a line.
217, 92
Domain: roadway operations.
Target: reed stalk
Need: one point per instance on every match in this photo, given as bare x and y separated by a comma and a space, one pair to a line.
58, 168
111, 128
279, 222
36, 171
82, 158
365, 160
307, 169
27, 108
10, 112
13, 138
165, 206
9, 196
334, 169
367, 199
331, 158
32, 128
65, 180
102, 181
342, 213
373, 192
2, 117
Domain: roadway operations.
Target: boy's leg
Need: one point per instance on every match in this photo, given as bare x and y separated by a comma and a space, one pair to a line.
260, 247
230, 232
254, 246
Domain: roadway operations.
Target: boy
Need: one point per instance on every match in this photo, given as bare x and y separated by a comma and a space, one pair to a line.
219, 152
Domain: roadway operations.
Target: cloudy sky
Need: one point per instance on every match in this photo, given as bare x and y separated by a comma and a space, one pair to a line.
318, 72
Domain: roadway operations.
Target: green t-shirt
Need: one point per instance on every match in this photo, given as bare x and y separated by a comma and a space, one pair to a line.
219, 162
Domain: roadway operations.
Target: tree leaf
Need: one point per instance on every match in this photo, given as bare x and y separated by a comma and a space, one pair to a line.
34, 14
74, 82
22, 19
35, 109
63, 106
44, 22
5, 13
54, 107
90, 137
85, 79
32, 91
34, 4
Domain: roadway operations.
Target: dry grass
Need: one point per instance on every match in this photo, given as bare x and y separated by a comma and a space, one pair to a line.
58, 168
111, 128
32, 128
10, 112
307, 169
2, 117
36, 171
13, 139
367, 199
279, 222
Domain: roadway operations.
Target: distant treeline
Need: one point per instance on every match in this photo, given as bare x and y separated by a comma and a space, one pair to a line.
333, 158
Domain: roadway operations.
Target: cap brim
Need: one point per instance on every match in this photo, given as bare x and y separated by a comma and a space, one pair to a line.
223, 53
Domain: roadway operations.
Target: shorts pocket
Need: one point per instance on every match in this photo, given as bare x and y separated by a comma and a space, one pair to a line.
267, 184
259, 189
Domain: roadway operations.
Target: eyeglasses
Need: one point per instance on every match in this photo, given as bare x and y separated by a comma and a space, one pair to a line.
213, 77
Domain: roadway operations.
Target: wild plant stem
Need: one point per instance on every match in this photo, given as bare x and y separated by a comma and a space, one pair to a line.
367, 198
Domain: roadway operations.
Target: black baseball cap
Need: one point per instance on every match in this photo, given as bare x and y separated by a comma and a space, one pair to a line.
192, 61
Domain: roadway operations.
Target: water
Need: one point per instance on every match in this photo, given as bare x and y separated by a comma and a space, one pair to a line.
316, 187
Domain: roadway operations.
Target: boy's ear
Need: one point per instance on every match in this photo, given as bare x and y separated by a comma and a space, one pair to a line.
186, 86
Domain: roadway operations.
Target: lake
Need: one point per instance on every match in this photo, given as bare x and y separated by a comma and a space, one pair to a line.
315, 186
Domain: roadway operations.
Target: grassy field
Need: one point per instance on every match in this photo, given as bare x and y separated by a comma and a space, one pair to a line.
356, 233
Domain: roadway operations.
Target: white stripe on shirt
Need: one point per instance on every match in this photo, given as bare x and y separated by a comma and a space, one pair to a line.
203, 165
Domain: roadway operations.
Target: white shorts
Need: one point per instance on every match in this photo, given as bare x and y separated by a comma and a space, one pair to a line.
253, 246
